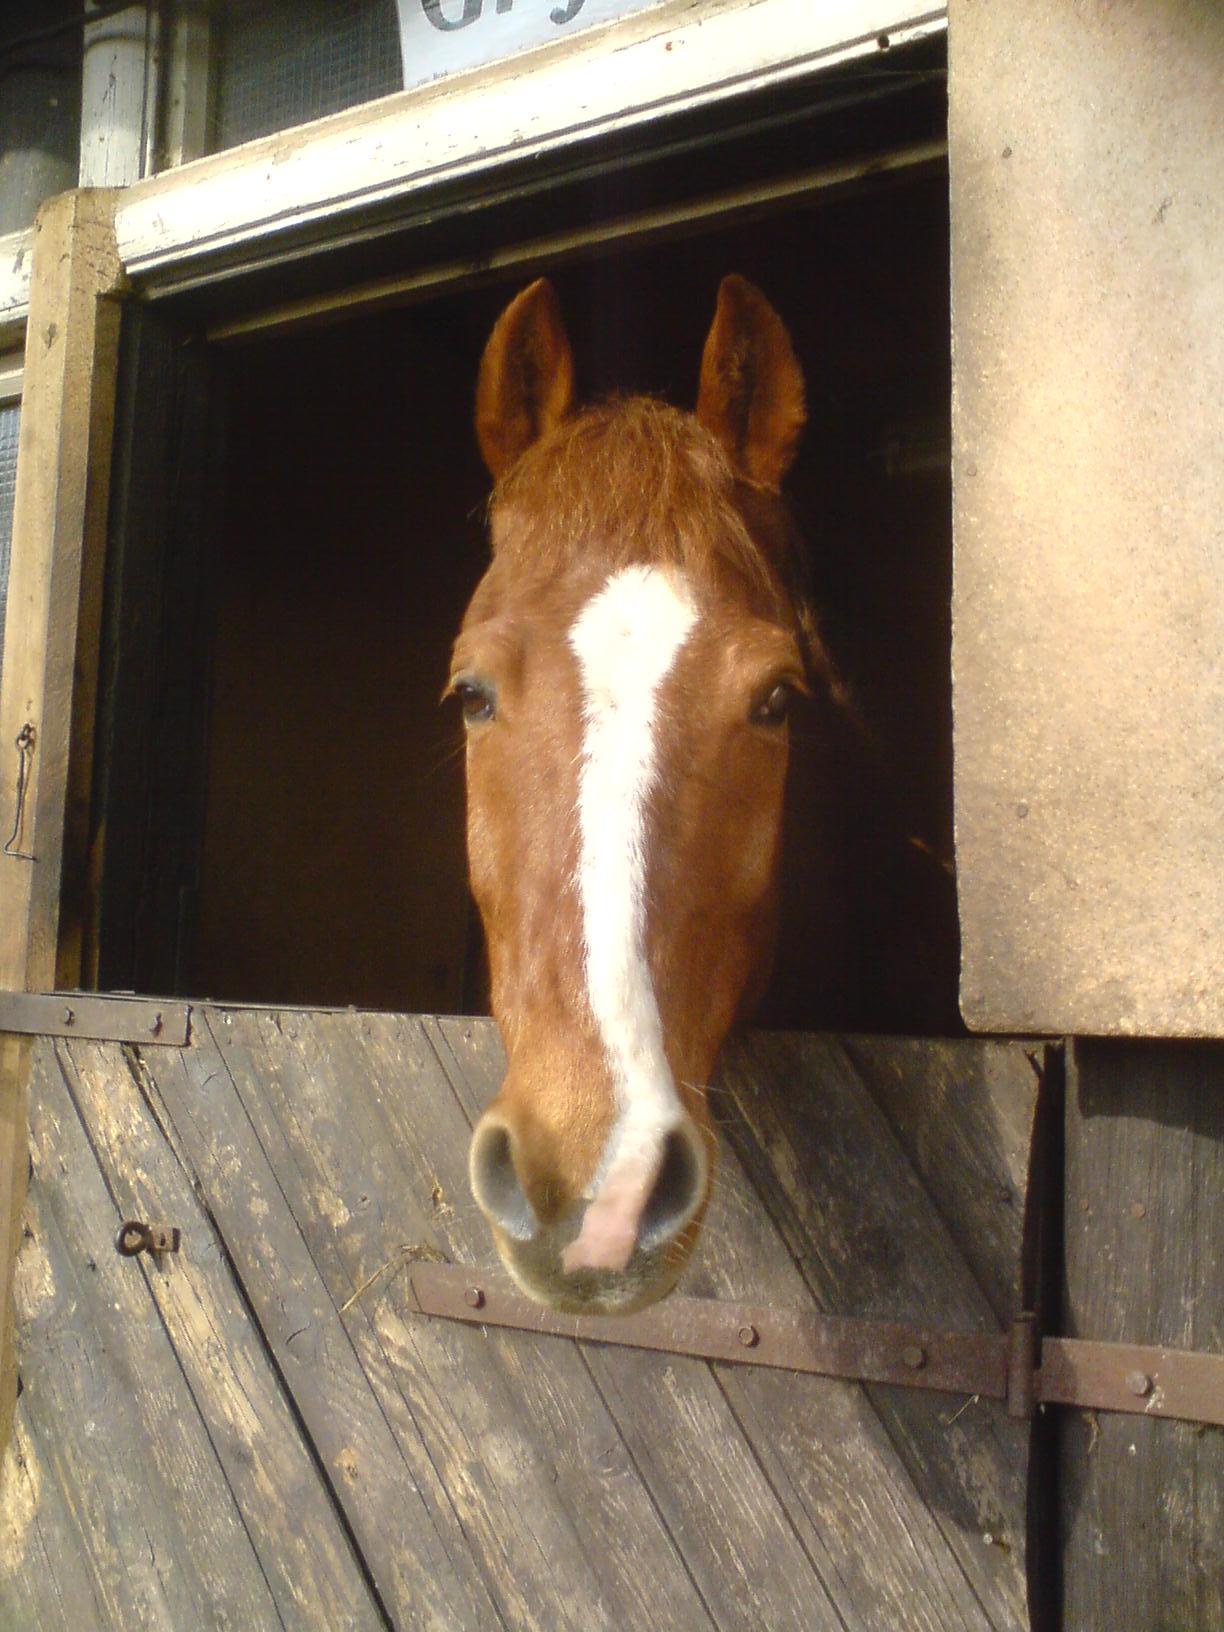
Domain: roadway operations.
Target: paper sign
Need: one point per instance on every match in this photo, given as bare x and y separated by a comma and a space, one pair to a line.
444, 36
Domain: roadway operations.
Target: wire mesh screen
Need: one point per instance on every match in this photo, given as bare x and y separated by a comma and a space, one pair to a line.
10, 419
282, 64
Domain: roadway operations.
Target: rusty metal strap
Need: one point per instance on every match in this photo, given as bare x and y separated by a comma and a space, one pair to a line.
994, 1365
106, 1019
1153, 1381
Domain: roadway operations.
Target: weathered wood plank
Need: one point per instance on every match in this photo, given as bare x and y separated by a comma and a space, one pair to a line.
148, 1533
52, 609
45, 1580
868, 1241
963, 1114
303, 1549
50, 642
1143, 1499
363, 1433
14, 1162
882, 1558
370, 1147
709, 1498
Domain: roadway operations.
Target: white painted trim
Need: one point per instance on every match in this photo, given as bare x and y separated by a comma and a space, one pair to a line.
682, 55
15, 256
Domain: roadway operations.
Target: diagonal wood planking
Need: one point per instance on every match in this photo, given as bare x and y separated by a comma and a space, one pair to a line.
360, 1428
304, 1552
498, 1479
963, 1114
120, 1491
370, 1146
868, 1240
712, 1509
885, 1556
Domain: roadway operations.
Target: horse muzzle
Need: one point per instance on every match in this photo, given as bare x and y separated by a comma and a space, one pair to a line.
618, 1249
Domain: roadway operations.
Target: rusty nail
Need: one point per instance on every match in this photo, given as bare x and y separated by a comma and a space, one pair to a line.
914, 1356
1139, 1383
69, 1017
474, 1297
749, 1336
1138, 1210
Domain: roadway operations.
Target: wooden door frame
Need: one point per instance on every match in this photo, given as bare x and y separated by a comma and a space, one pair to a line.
50, 651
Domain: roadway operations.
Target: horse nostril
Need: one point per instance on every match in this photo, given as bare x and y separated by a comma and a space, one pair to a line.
677, 1191
495, 1184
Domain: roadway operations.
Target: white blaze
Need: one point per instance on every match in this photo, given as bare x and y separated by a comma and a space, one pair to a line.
625, 639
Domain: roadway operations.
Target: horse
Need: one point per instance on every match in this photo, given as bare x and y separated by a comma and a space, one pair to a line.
626, 669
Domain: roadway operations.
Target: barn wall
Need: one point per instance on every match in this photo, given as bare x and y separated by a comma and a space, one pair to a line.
332, 864
1086, 149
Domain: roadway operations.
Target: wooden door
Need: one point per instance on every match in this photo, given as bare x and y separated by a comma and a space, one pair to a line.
263, 1424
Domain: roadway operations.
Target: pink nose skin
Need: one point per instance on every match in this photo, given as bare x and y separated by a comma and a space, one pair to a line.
610, 1228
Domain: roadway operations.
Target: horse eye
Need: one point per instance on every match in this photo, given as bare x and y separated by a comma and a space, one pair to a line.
475, 699
774, 707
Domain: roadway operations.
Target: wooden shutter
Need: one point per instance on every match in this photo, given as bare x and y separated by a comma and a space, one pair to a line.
1086, 152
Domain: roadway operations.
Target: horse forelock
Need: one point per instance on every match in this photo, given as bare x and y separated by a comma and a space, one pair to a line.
634, 481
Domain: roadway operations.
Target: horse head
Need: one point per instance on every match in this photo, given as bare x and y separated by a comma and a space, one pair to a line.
625, 669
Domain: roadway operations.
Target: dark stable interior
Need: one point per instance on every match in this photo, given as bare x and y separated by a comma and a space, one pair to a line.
332, 863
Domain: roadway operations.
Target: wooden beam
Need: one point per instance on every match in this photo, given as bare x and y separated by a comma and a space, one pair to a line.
347, 175
50, 647
659, 225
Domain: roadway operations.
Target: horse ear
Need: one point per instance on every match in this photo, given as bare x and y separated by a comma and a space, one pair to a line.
751, 391
526, 383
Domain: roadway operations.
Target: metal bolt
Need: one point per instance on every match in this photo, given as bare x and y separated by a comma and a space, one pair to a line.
1139, 1383
474, 1297
749, 1336
69, 1017
914, 1356
155, 1025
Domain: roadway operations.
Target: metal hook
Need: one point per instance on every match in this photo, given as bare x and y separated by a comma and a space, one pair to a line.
135, 1237
26, 739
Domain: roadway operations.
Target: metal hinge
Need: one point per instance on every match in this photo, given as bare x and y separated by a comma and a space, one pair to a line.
1014, 1366
106, 1019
